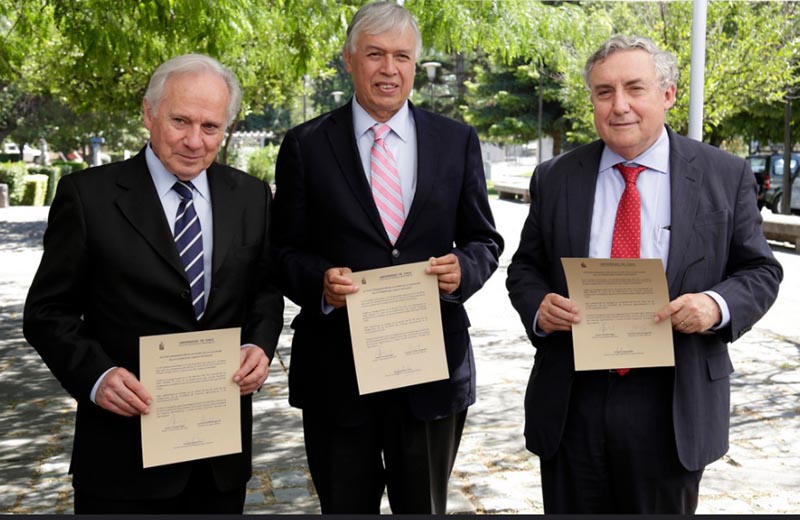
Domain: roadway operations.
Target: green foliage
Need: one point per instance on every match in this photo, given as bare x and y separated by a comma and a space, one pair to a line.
35, 190
10, 157
261, 163
53, 174
68, 167
14, 174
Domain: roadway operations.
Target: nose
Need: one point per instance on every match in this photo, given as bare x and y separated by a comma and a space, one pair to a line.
193, 137
620, 103
388, 65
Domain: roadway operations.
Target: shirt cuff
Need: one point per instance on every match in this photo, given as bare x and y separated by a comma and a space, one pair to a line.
93, 393
725, 313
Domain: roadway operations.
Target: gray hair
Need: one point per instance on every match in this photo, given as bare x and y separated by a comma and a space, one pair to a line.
192, 64
378, 18
665, 62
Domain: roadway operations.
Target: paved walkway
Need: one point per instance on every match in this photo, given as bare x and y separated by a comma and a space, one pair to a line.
493, 473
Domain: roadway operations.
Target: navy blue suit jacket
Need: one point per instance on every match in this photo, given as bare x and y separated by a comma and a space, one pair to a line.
325, 217
716, 244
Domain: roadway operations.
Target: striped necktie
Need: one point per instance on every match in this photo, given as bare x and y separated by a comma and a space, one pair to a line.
189, 240
385, 181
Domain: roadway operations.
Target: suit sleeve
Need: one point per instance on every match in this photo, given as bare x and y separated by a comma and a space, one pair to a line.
52, 321
752, 274
264, 321
528, 273
300, 272
478, 245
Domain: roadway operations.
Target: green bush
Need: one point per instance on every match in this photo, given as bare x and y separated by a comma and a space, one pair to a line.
10, 157
68, 167
14, 174
35, 190
53, 176
261, 163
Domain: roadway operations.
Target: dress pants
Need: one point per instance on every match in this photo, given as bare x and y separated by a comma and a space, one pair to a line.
351, 464
618, 453
200, 496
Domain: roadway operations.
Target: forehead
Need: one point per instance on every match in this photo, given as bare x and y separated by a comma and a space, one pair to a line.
201, 93
623, 67
394, 39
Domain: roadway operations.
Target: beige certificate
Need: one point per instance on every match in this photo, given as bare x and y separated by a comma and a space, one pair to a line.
617, 299
195, 412
396, 328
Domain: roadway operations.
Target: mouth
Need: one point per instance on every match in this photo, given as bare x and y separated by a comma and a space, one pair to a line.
386, 87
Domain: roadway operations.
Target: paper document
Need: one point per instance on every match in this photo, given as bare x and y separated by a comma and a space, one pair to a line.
618, 299
195, 412
396, 328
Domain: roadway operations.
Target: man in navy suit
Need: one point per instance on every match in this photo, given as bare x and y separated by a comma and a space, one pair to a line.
638, 441
329, 223
112, 272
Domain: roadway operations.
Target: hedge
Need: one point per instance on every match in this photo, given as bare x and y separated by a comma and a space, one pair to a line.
35, 190
14, 174
261, 163
68, 167
53, 176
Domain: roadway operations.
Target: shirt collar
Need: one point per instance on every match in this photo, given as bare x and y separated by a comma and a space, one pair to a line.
654, 158
401, 123
164, 180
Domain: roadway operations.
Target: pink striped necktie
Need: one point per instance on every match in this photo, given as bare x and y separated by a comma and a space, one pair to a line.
385, 181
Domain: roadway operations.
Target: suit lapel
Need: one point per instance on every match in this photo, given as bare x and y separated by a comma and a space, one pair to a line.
580, 187
685, 181
225, 210
428, 151
341, 137
139, 203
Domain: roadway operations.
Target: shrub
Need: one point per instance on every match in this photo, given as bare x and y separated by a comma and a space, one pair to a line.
261, 163
35, 190
68, 167
53, 176
10, 157
14, 174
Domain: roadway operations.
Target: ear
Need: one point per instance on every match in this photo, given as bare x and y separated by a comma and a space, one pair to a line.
148, 115
347, 61
669, 96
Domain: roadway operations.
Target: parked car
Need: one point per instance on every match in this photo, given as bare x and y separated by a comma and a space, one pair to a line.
768, 170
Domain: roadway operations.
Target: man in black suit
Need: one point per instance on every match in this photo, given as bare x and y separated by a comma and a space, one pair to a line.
112, 272
638, 441
329, 223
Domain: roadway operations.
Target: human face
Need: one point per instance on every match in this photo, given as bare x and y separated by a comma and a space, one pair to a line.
382, 68
189, 125
630, 107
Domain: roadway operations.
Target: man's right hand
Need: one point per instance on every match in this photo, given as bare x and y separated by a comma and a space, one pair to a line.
557, 313
121, 392
338, 284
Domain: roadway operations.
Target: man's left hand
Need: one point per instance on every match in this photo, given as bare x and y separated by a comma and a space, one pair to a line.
691, 313
253, 369
447, 270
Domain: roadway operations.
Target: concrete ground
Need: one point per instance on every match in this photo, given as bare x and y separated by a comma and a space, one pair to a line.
493, 473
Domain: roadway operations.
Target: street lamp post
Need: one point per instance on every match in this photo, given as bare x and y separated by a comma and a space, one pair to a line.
305, 87
337, 96
430, 68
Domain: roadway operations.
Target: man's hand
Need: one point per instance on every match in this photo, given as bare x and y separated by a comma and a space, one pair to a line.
691, 312
557, 313
447, 270
337, 285
253, 369
122, 393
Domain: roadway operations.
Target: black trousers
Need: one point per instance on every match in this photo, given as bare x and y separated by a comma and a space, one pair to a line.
351, 465
200, 496
618, 453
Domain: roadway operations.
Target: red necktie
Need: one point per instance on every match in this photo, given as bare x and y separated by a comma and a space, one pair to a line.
627, 227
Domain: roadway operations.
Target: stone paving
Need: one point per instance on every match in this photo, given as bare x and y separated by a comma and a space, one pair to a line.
493, 473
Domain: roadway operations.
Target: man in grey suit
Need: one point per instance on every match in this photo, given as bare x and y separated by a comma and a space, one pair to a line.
638, 441
112, 271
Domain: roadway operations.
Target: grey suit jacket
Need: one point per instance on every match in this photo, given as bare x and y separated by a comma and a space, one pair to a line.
716, 244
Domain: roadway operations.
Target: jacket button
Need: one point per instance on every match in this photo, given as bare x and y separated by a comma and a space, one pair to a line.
395, 253
185, 295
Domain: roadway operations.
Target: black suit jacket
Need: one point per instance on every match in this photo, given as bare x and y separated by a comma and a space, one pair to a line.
325, 217
111, 273
716, 244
